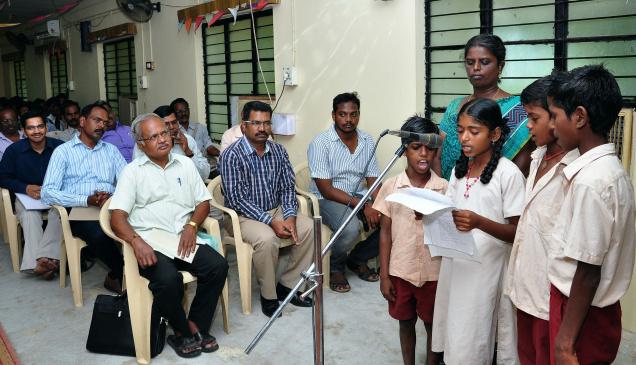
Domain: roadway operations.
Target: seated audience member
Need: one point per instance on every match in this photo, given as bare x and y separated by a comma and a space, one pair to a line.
83, 172
182, 143
53, 118
196, 130
70, 122
339, 158
259, 184
118, 134
10, 131
22, 171
162, 191
232, 135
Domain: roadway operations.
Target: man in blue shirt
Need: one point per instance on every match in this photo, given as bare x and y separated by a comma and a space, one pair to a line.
22, 171
83, 172
259, 184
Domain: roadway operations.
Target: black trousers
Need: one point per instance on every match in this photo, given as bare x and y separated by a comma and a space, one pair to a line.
102, 246
166, 284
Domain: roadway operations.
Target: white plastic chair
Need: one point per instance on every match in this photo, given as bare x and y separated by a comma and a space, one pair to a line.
140, 297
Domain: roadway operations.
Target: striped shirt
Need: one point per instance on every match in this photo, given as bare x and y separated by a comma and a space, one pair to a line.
330, 158
75, 172
253, 184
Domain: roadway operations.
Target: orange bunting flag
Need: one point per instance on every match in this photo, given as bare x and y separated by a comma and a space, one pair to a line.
188, 24
217, 15
197, 22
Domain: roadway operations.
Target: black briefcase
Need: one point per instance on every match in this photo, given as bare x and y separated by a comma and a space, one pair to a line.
111, 332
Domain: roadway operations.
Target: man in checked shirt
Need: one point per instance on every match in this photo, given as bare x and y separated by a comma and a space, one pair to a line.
259, 184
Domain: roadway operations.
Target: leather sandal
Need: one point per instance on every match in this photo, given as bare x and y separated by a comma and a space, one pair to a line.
339, 286
364, 272
207, 342
186, 347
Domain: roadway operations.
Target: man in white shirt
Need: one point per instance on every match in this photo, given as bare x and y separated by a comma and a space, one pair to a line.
161, 192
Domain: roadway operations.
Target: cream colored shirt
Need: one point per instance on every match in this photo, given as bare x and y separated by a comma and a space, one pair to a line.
159, 198
527, 282
595, 225
410, 258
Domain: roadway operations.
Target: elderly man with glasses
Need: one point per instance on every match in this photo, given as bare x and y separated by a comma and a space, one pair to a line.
182, 143
259, 184
161, 192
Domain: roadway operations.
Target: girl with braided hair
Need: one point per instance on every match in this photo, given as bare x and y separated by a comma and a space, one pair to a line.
471, 315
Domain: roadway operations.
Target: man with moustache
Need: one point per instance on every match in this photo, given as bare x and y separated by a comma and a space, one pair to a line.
339, 159
9, 129
117, 134
83, 172
259, 184
22, 171
70, 122
162, 191
182, 143
197, 131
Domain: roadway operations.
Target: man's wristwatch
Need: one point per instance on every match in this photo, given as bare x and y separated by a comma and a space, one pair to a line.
193, 224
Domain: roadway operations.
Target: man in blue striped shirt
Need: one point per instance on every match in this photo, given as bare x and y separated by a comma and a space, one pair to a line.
83, 172
340, 158
259, 184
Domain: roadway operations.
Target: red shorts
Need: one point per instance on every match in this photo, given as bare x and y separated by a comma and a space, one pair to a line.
600, 334
533, 339
411, 301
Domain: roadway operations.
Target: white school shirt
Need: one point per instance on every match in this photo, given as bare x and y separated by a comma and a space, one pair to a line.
595, 225
470, 309
159, 198
527, 282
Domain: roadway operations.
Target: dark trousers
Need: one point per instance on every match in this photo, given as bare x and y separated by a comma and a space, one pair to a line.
166, 284
100, 245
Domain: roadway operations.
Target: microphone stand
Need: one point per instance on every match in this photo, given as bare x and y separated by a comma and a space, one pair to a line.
310, 275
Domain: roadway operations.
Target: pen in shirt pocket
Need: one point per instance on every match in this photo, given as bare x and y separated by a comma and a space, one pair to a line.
179, 181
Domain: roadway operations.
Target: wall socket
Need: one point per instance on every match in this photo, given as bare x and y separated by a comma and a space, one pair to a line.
290, 76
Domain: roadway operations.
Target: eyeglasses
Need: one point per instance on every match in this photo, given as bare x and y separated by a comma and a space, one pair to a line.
182, 111
154, 137
31, 128
258, 123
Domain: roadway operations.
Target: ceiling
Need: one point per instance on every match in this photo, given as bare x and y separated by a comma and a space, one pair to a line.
21, 11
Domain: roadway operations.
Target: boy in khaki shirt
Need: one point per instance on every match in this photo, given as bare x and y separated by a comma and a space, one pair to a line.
408, 273
592, 258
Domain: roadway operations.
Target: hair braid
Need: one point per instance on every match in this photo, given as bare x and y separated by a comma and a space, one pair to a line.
461, 166
497, 151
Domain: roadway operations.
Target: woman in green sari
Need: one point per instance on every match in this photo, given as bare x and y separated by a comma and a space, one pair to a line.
484, 58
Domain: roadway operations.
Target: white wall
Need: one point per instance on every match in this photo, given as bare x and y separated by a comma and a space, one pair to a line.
372, 47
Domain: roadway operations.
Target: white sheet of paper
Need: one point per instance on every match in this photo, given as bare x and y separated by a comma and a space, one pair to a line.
30, 203
168, 244
440, 233
425, 201
443, 238
89, 213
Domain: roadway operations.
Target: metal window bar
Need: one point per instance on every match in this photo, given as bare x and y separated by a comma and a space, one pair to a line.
218, 122
560, 40
59, 76
119, 55
20, 79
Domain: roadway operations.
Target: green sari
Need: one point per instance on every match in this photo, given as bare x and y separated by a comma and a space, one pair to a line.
511, 108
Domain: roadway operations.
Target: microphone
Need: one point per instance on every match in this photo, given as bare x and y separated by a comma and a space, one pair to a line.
431, 140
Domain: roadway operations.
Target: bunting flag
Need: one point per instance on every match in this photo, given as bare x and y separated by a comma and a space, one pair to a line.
217, 15
180, 25
188, 24
197, 22
234, 12
260, 5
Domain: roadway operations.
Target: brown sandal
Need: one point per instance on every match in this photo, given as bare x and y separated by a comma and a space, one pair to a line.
339, 285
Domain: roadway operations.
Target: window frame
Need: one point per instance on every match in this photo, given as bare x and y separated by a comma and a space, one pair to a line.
226, 24
19, 75
62, 88
132, 88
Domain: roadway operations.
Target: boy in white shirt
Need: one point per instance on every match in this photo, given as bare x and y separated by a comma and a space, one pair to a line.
592, 257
